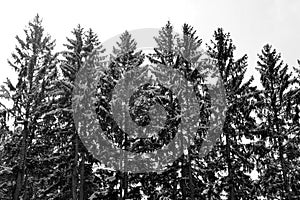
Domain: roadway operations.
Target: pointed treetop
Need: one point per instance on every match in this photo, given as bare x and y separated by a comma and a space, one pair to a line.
37, 19
272, 69
223, 44
126, 45
34, 43
222, 49
166, 39
92, 42
76, 44
269, 56
91, 38
189, 45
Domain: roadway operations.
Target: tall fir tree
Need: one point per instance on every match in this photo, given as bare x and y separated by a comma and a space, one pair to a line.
126, 44
278, 130
36, 67
73, 177
179, 181
125, 57
188, 48
165, 52
231, 160
189, 45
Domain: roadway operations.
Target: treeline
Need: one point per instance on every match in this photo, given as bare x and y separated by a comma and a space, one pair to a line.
42, 156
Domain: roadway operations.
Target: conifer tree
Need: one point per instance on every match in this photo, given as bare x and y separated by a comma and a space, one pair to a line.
181, 54
189, 45
126, 45
188, 48
74, 178
278, 129
124, 58
36, 67
231, 160
165, 52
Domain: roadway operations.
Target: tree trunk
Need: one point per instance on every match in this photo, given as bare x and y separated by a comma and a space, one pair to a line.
125, 185
75, 171
230, 174
22, 165
125, 177
123, 161
286, 186
286, 194
18, 186
82, 178
126, 127
189, 160
184, 172
174, 195
192, 189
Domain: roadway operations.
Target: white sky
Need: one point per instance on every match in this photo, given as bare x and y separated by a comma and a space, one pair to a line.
251, 23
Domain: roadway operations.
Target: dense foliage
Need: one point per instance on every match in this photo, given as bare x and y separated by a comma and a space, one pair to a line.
43, 157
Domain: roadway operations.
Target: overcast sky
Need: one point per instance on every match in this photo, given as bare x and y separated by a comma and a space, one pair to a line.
251, 23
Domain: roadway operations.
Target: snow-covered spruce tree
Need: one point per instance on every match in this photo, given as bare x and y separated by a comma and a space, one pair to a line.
126, 44
29, 143
124, 58
124, 53
164, 54
278, 144
181, 54
73, 178
189, 45
230, 161
188, 48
